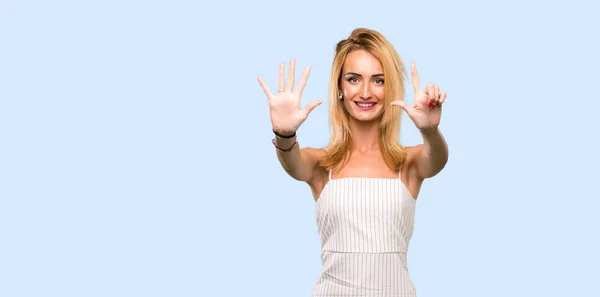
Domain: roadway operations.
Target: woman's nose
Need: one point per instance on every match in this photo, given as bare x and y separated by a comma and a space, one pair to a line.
365, 92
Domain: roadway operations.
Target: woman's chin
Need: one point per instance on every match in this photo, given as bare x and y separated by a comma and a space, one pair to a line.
366, 116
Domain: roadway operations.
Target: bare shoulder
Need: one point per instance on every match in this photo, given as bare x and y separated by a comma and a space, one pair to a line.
317, 154
412, 152
314, 156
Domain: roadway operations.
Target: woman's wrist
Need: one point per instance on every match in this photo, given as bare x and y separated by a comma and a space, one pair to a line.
285, 135
284, 141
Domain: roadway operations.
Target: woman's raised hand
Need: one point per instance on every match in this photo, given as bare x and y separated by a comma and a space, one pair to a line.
427, 110
284, 107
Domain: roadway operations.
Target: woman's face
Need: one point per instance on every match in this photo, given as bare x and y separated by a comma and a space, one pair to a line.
362, 86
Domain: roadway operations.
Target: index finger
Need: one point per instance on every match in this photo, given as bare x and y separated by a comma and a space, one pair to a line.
415, 77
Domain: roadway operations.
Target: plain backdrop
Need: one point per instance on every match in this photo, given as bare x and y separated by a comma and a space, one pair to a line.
136, 155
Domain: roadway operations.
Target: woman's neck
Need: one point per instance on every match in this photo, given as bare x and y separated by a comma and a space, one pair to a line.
365, 135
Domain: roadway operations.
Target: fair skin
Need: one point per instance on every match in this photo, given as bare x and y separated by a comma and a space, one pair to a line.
362, 85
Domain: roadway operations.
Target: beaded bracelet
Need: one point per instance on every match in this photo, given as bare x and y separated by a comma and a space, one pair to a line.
282, 149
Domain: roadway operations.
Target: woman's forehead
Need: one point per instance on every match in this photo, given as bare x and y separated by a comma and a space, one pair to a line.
363, 62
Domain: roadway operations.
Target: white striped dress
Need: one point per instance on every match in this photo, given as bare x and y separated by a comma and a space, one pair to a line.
365, 225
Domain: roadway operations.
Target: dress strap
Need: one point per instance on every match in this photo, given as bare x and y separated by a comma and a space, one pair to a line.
326, 150
400, 173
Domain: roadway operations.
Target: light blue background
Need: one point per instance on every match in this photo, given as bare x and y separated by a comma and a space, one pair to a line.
136, 160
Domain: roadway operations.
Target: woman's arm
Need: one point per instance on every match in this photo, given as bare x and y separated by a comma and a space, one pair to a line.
433, 156
286, 117
426, 114
299, 163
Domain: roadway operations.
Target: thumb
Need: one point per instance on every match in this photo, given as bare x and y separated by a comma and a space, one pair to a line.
402, 105
312, 106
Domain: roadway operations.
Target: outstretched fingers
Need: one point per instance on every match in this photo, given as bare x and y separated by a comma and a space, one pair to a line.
415, 77
292, 72
264, 87
402, 105
312, 106
281, 83
303, 81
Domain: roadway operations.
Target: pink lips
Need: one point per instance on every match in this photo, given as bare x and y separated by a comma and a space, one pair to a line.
366, 105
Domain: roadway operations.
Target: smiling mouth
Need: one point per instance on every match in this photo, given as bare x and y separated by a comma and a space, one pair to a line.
365, 105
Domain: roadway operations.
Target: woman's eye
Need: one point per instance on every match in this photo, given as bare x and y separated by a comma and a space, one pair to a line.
379, 81
353, 79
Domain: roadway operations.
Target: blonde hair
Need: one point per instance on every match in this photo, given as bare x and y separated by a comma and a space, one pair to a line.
338, 149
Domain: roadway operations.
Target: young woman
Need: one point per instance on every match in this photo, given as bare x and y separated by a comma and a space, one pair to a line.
364, 183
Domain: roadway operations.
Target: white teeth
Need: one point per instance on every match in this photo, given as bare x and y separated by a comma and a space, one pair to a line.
365, 104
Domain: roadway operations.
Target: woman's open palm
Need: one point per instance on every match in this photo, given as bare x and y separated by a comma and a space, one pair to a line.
285, 110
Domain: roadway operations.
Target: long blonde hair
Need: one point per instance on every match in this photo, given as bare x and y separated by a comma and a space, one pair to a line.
338, 149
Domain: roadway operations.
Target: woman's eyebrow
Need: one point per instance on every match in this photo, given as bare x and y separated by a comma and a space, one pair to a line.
354, 73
